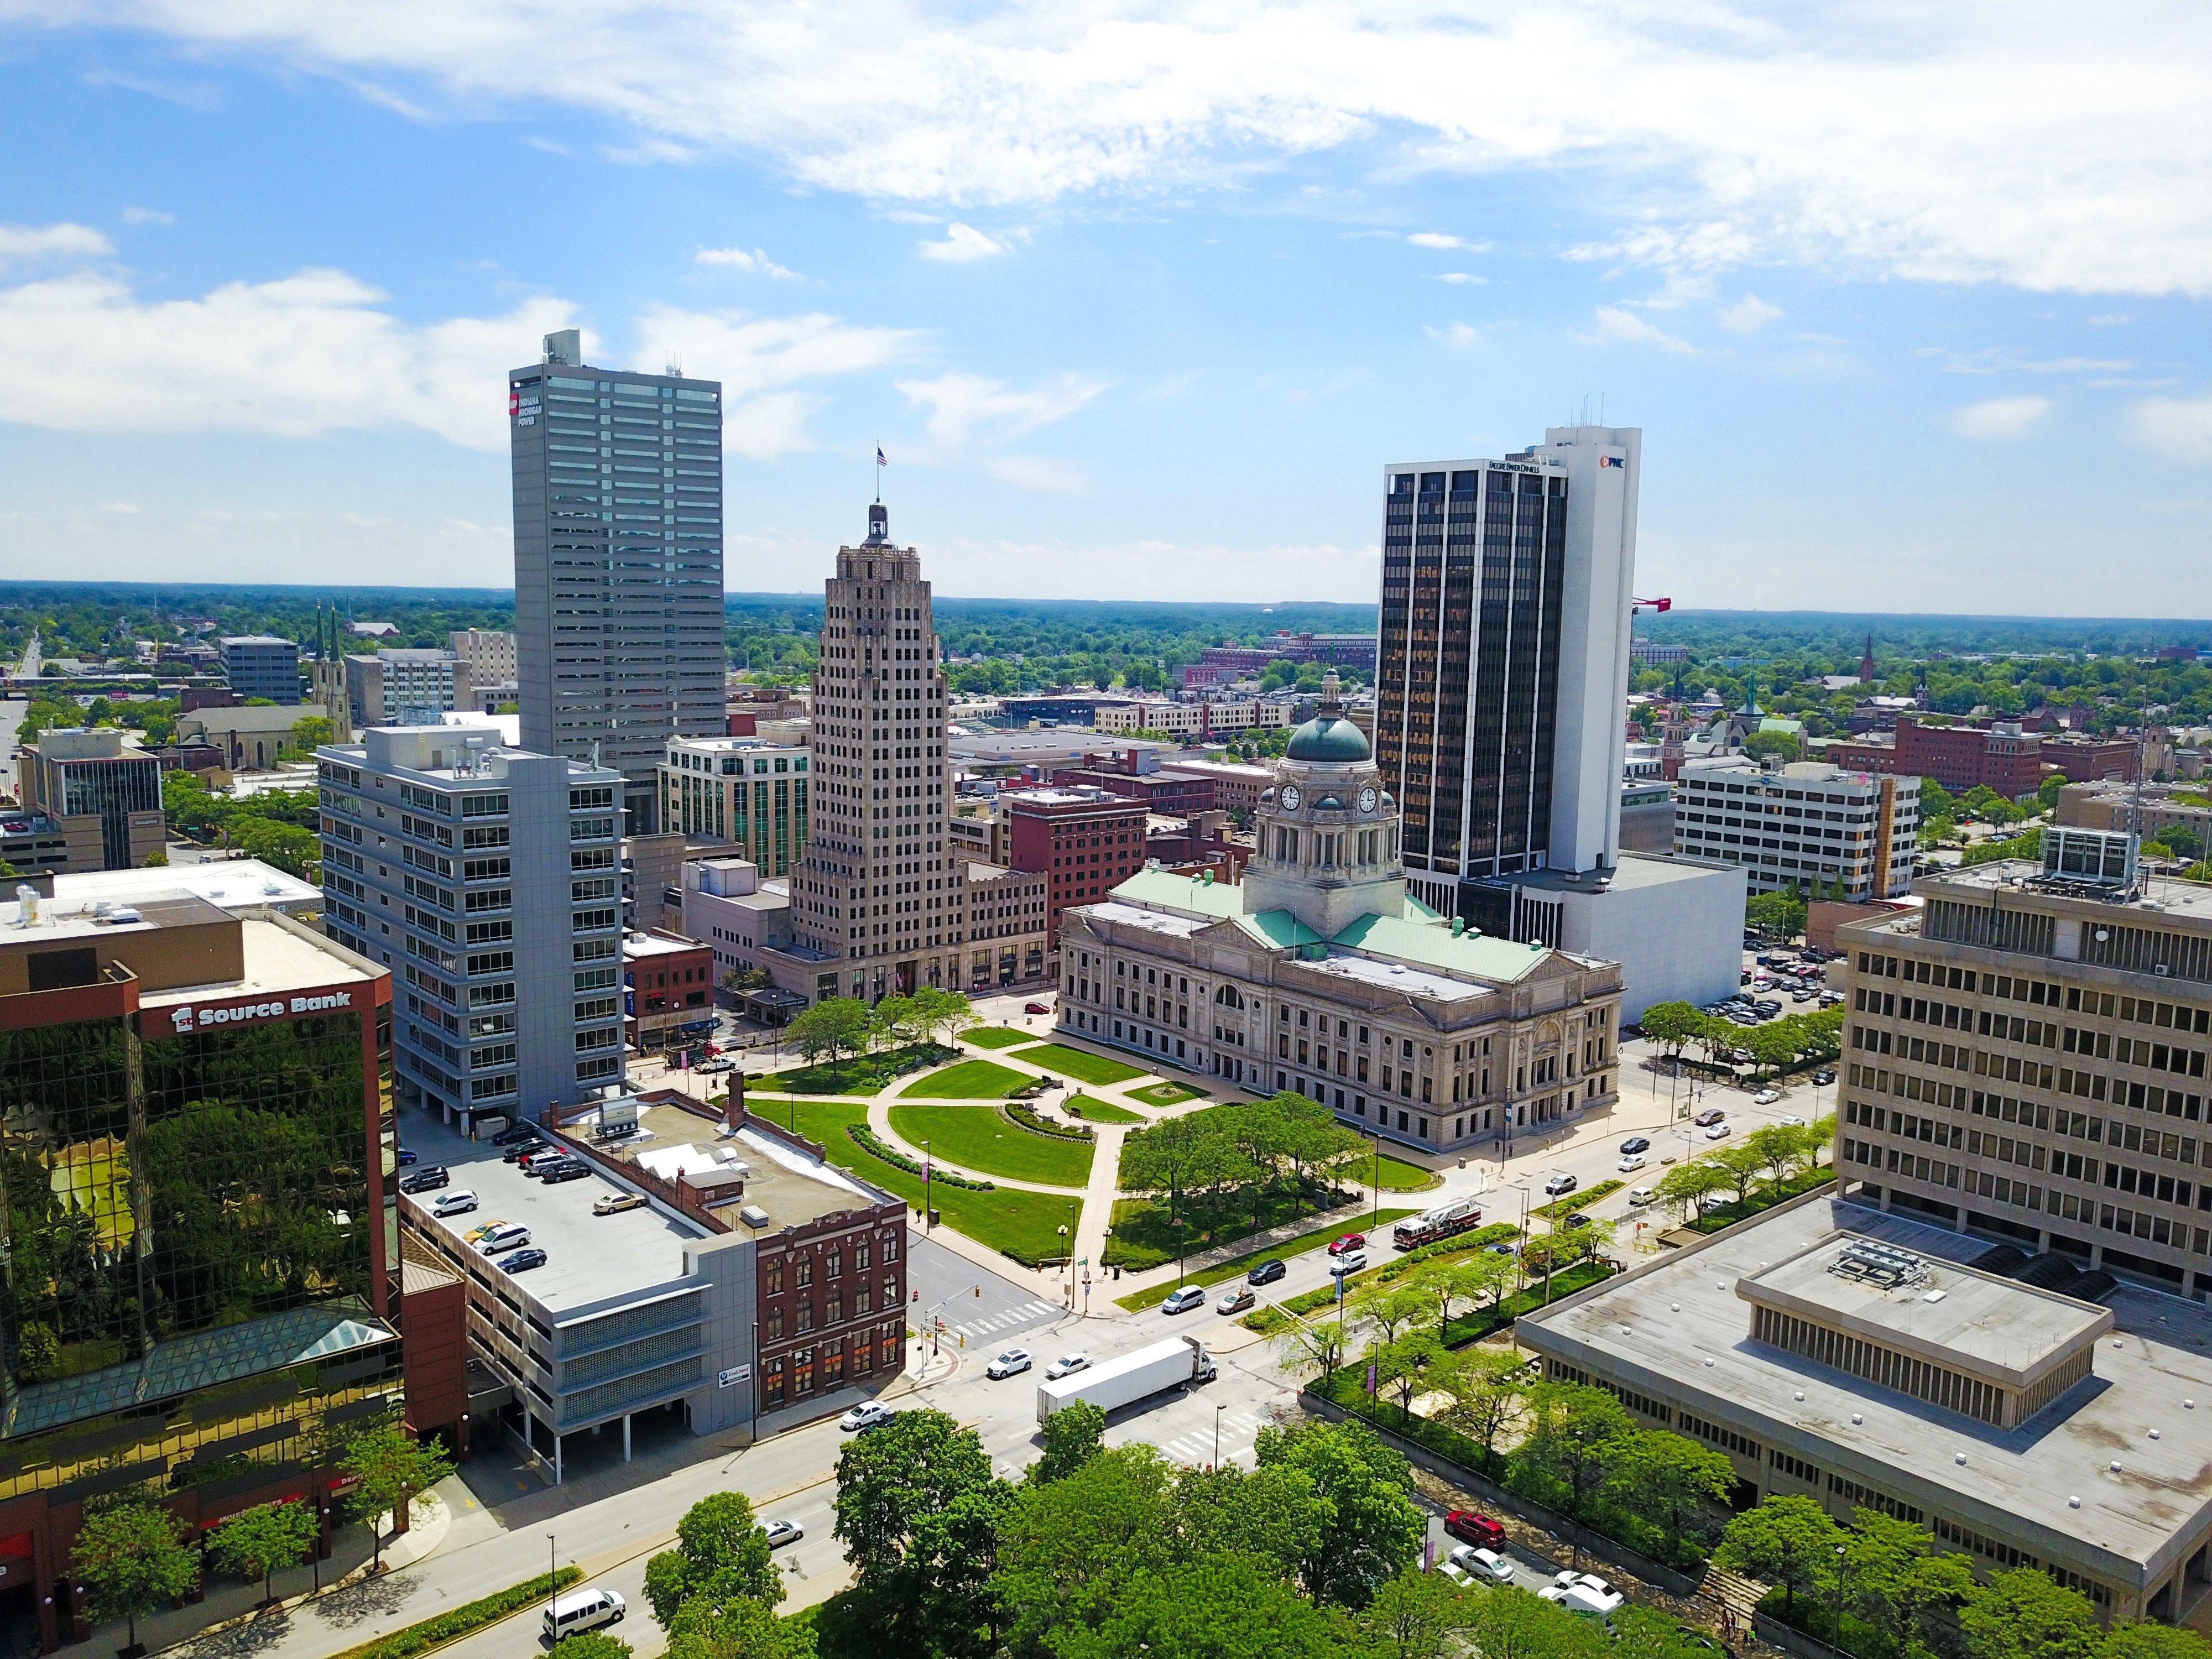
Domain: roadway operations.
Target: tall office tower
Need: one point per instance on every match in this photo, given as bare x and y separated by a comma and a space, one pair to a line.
1503, 665
617, 563
485, 878
878, 897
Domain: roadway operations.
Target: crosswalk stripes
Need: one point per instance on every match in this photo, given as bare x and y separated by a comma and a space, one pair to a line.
1009, 1318
1198, 1448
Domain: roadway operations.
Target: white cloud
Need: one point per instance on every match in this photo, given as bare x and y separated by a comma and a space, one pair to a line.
962, 243
1459, 336
86, 354
738, 259
1616, 323
1973, 142
1748, 315
1998, 418
2179, 427
2109, 320
146, 216
969, 408
1458, 277
116, 506
1039, 473
23, 244
1438, 238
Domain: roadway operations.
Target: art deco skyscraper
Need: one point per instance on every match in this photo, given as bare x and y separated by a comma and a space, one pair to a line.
617, 563
879, 896
1503, 668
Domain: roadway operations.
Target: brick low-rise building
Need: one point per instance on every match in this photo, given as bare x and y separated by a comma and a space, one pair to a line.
1084, 841
668, 990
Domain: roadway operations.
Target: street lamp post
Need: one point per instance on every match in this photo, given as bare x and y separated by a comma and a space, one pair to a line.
1375, 1220
552, 1573
1217, 1409
925, 1187
1836, 1630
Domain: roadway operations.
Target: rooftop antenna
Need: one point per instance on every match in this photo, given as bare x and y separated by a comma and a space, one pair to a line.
672, 366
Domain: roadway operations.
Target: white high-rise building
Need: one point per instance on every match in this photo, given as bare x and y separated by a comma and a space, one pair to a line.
617, 563
1504, 657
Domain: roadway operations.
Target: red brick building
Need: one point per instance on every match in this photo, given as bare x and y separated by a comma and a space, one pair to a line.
1083, 841
1136, 774
668, 985
2007, 757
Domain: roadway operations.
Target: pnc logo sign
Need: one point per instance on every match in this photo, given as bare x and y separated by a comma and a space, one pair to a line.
202, 1020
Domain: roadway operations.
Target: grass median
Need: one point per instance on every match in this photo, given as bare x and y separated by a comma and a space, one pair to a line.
1078, 1063
1092, 1110
1165, 1094
971, 1080
1237, 1267
464, 1620
984, 1139
997, 1037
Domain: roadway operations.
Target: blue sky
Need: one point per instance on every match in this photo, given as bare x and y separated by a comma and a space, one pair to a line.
1139, 298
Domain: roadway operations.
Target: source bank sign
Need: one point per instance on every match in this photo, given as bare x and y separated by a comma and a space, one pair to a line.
247, 1014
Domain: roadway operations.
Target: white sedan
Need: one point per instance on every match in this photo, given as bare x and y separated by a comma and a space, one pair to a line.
1009, 1363
1766, 1098
865, 1415
781, 1533
1066, 1365
1633, 1161
1718, 1131
1479, 1563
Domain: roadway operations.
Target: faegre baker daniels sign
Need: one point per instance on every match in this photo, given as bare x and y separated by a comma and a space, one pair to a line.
246, 1014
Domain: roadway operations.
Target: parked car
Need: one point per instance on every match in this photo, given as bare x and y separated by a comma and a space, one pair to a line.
1471, 1527
523, 1149
1346, 1264
1348, 1243
1184, 1300
580, 1610
1487, 1567
1635, 1144
1588, 1580
521, 1261
1710, 1117
1066, 1365
1458, 1575
1560, 1184
1717, 1131
513, 1133
532, 1156
1824, 1077
1235, 1300
1576, 1218
616, 1203
1634, 1161
1791, 1120
426, 1179
459, 1202
779, 1533
1767, 1097
1036, 1008
1012, 1363
573, 1169
722, 1066
868, 1414
405, 1155
1267, 1273
1640, 1196
507, 1235
475, 1235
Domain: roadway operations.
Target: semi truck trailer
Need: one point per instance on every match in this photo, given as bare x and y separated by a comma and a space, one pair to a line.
1129, 1377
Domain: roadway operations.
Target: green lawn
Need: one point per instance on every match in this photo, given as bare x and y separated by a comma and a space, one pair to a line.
1024, 1226
1099, 1111
1397, 1176
984, 1139
1077, 1062
1237, 1267
1142, 1238
1165, 1094
861, 1075
997, 1037
971, 1080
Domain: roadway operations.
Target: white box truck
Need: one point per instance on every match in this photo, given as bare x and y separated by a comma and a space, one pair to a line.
1129, 1377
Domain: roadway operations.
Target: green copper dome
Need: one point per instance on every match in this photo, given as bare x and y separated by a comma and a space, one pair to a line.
1329, 737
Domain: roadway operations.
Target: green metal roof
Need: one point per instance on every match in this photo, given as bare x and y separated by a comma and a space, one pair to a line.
1329, 737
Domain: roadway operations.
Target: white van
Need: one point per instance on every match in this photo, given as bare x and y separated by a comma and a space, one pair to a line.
583, 1609
504, 1236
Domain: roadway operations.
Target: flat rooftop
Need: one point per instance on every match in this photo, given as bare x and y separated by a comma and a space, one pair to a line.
590, 1259
143, 913
1994, 1328
227, 884
792, 1186
1635, 870
1677, 1325
2157, 898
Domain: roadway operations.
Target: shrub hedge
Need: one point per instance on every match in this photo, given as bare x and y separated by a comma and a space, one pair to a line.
1268, 1319
461, 1621
869, 1140
1026, 1116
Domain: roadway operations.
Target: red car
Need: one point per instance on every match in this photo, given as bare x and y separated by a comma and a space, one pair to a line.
1036, 1008
1348, 1243
1470, 1527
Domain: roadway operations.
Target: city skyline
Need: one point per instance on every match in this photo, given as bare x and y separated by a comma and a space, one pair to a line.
1074, 275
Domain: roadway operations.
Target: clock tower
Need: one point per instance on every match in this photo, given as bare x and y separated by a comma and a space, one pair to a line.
1328, 832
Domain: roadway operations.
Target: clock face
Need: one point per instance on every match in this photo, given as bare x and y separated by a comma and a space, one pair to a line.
1367, 800
1291, 796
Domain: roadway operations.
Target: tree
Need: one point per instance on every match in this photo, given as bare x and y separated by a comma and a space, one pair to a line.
741, 1629
1404, 1364
947, 1013
1672, 1024
1073, 1435
1673, 1482
390, 1469
594, 1644
720, 1553
2025, 1615
1514, 1624
834, 1027
1778, 1145
1789, 1541
1413, 1614
900, 1019
918, 1508
1375, 1530
2148, 1641
1774, 1046
131, 1558
1488, 1387
1777, 746
1392, 1308
1690, 1186
256, 1543
1217, 1607
1578, 1438
1782, 915
1741, 1164
1066, 1546
1897, 1583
